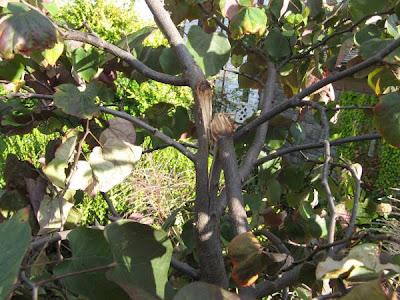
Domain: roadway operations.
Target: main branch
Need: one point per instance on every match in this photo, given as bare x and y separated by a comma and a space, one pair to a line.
207, 222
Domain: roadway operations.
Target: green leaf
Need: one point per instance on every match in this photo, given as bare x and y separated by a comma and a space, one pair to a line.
181, 121
294, 198
81, 177
12, 201
143, 255
316, 7
372, 46
293, 177
12, 70
392, 26
76, 103
24, 30
133, 40
247, 3
274, 191
89, 250
367, 33
210, 51
188, 236
316, 226
169, 62
203, 290
182, 9
362, 8
250, 69
48, 57
387, 118
278, 7
249, 20
277, 45
15, 236
85, 62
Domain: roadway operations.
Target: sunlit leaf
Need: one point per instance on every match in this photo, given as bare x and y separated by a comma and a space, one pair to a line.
114, 161
365, 255
55, 170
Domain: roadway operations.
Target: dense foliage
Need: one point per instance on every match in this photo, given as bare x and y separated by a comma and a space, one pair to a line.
294, 214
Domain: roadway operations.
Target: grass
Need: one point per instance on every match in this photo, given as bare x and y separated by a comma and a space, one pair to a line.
30, 147
162, 182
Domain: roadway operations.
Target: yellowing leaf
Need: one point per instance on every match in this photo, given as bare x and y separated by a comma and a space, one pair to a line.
245, 273
243, 246
249, 20
246, 254
51, 55
365, 255
55, 170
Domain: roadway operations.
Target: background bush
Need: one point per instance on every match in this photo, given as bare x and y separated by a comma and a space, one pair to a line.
381, 170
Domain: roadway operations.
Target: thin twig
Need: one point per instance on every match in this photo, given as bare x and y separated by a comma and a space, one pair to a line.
185, 268
153, 131
75, 273
125, 56
276, 241
356, 201
111, 207
309, 146
329, 37
31, 284
248, 76
325, 175
296, 100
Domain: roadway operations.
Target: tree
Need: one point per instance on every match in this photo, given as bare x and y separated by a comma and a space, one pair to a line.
295, 47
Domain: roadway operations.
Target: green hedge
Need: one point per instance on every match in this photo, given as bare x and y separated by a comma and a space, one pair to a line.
382, 171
